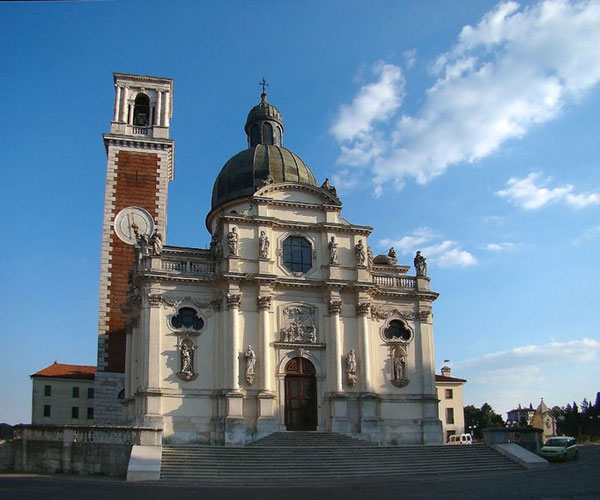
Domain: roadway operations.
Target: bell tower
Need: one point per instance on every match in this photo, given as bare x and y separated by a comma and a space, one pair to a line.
139, 168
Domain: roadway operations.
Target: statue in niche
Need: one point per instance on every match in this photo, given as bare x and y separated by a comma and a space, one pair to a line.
332, 247
359, 253
399, 367
215, 246
250, 356
329, 187
263, 245
186, 354
420, 263
369, 257
350, 360
232, 241
156, 242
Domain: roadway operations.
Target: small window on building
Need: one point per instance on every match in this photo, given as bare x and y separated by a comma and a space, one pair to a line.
267, 133
47, 410
187, 318
90, 393
47, 390
254, 135
90, 413
449, 394
75, 412
397, 330
297, 254
75, 392
449, 415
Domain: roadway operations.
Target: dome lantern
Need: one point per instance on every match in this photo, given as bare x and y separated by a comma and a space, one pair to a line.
264, 124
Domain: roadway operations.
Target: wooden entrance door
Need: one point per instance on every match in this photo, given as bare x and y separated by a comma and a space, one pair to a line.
300, 395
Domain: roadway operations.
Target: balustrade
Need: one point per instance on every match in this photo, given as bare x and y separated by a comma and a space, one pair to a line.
394, 281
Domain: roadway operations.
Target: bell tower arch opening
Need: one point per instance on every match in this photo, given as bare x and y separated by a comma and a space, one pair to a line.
300, 395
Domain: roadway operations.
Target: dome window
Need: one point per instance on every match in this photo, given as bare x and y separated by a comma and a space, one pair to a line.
267, 133
254, 135
297, 254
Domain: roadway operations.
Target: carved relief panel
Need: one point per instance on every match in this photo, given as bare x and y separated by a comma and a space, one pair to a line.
298, 324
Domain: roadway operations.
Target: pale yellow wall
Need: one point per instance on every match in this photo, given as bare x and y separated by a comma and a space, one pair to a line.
61, 401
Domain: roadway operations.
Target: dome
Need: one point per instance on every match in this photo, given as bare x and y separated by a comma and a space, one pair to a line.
263, 111
248, 170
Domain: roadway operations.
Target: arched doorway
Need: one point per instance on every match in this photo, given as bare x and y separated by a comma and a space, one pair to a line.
300, 395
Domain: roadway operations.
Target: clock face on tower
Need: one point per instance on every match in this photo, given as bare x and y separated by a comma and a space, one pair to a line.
130, 218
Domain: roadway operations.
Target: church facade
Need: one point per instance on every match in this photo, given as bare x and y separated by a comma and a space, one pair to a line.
287, 322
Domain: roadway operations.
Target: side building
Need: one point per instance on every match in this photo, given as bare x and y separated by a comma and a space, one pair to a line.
63, 395
451, 405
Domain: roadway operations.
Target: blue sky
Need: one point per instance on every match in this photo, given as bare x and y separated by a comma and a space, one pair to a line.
467, 130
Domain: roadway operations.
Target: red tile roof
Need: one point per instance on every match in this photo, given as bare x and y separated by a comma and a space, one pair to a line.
59, 370
444, 378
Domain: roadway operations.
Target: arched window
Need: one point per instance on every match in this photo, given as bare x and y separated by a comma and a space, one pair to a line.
297, 254
277, 136
267, 133
254, 135
397, 331
141, 111
187, 318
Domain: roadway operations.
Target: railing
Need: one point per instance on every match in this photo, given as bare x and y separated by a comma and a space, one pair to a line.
141, 130
88, 434
394, 281
189, 267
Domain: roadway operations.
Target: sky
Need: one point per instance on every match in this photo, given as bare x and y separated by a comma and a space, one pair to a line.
467, 130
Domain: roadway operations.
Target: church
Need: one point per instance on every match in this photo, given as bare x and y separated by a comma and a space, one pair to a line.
287, 323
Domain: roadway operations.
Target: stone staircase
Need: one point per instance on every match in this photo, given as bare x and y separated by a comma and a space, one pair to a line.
296, 457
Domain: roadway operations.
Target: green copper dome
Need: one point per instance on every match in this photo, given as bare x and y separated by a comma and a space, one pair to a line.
248, 170
265, 161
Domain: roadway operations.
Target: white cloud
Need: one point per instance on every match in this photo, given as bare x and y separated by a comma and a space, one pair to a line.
499, 247
590, 233
516, 68
374, 102
530, 193
446, 253
526, 373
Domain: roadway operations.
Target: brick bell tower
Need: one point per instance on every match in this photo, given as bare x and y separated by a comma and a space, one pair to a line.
139, 168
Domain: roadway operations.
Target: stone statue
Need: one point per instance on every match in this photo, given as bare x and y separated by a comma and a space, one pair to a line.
156, 242
141, 241
187, 359
332, 246
250, 356
392, 253
351, 367
266, 181
399, 366
215, 246
329, 187
263, 245
232, 241
359, 253
420, 264
369, 257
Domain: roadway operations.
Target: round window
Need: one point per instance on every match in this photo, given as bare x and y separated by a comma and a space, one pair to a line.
397, 331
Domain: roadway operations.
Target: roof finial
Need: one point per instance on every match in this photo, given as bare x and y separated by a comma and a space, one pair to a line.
264, 84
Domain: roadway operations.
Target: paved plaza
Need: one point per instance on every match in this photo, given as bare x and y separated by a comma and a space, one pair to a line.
572, 480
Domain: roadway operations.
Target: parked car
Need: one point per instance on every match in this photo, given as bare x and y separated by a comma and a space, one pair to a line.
460, 439
560, 448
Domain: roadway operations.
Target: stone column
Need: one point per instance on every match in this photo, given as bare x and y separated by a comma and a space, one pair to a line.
165, 116
123, 105
117, 103
339, 401
150, 380
266, 423
158, 112
362, 310
233, 306
235, 423
335, 307
264, 305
